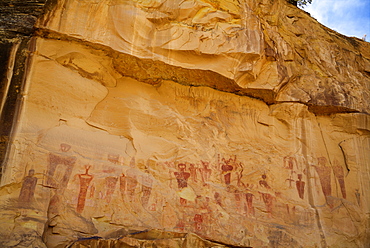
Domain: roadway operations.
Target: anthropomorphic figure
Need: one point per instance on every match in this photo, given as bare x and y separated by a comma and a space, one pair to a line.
300, 186
250, 208
193, 172
28, 188
122, 185
339, 174
182, 176
114, 158
226, 168
266, 197
205, 172
182, 180
85, 180
264, 183
289, 163
146, 183
131, 179
110, 185
324, 173
198, 220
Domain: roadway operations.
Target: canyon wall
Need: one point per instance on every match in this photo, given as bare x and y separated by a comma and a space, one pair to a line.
192, 123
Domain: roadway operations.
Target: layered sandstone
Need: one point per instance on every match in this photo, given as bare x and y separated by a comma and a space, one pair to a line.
187, 124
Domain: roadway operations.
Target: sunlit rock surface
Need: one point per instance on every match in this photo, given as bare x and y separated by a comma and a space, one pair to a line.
185, 124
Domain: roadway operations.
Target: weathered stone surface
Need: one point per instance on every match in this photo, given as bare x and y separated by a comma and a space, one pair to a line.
188, 124
268, 49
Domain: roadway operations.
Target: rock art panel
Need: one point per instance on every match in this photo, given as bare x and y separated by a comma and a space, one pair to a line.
178, 122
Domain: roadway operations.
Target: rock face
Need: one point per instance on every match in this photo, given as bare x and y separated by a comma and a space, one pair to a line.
192, 123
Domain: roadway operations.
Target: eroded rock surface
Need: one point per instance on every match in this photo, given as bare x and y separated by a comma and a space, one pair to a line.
187, 124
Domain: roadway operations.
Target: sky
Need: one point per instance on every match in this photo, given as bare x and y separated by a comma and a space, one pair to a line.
348, 17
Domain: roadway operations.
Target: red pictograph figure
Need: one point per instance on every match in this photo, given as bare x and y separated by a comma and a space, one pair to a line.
110, 185
218, 198
60, 169
182, 176
239, 174
238, 201
250, 208
114, 158
266, 197
289, 163
263, 182
146, 183
290, 180
193, 172
85, 180
28, 189
92, 191
131, 179
300, 186
58, 173
339, 174
324, 173
198, 221
205, 172
226, 168
122, 185
182, 180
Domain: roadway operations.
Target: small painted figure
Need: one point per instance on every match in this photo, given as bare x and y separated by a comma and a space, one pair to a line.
290, 180
92, 191
198, 220
193, 172
28, 188
239, 174
300, 186
267, 199
65, 147
339, 174
324, 173
250, 208
114, 158
131, 179
205, 172
122, 185
131, 184
226, 168
182, 176
218, 198
289, 162
110, 185
182, 180
85, 180
238, 201
263, 182
147, 182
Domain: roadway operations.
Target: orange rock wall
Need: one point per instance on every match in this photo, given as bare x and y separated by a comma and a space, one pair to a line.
245, 123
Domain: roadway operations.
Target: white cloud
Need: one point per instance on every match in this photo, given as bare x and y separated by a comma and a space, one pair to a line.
349, 17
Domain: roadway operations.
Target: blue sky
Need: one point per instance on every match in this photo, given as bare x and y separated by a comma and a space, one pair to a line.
348, 17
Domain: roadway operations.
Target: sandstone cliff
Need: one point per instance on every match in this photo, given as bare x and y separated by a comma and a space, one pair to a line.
182, 123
